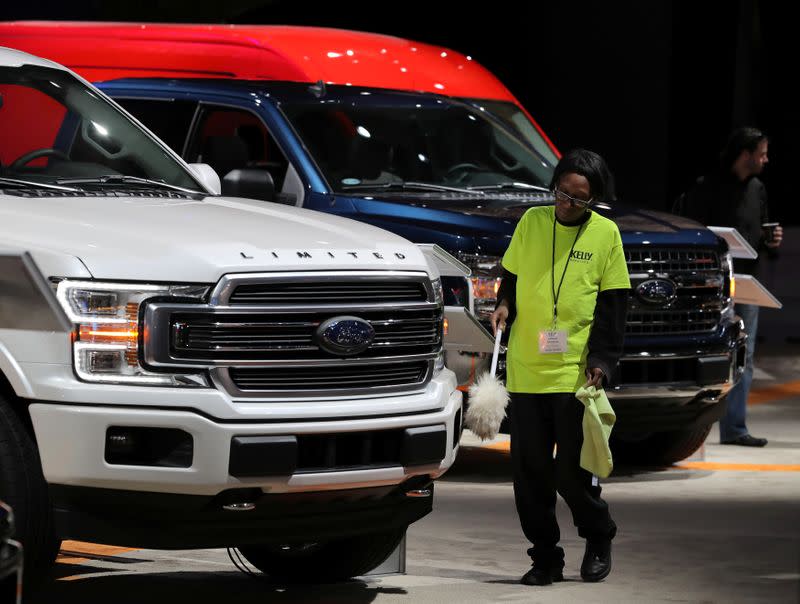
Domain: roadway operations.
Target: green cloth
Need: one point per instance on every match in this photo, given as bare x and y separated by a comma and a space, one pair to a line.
597, 264
598, 419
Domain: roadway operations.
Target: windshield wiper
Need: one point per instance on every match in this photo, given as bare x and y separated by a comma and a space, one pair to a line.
509, 185
34, 185
124, 178
410, 185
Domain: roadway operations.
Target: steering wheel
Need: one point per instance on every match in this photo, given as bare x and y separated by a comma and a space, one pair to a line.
464, 169
23, 160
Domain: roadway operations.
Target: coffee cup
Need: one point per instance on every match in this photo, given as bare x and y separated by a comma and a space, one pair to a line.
769, 230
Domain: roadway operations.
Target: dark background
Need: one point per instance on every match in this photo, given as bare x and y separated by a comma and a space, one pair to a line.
653, 86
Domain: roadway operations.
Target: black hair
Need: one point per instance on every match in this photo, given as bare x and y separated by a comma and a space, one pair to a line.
591, 166
741, 139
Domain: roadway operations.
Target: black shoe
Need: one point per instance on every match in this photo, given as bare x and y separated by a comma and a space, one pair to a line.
542, 576
746, 440
596, 561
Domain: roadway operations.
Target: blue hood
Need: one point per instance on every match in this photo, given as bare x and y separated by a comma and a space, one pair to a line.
485, 224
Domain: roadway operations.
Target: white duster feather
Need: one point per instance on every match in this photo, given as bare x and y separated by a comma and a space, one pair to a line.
488, 399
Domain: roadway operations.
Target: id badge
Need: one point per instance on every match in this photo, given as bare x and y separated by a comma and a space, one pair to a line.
552, 341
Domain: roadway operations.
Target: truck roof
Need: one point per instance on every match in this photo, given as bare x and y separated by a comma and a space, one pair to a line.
254, 52
10, 57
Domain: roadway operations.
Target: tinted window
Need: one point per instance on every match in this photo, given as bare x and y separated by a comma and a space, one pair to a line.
232, 139
170, 120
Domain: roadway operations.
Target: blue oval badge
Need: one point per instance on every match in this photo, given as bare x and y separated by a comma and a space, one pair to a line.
658, 292
345, 336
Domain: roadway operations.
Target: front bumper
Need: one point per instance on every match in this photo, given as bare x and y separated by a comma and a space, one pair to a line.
72, 437
708, 373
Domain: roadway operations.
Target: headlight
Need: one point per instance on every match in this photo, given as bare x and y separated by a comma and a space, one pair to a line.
729, 288
438, 292
486, 271
438, 366
106, 341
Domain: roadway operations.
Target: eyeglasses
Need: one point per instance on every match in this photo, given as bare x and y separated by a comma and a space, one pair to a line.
561, 196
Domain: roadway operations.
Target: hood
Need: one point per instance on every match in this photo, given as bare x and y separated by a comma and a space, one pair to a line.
484, 224
196, 241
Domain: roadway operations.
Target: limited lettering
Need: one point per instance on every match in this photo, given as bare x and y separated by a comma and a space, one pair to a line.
400, 256
331, 255
377, 255
303, 255
353, 254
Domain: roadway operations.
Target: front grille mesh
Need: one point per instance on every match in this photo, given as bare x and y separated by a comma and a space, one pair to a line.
668, 260
329, 378
672, 322
325, 292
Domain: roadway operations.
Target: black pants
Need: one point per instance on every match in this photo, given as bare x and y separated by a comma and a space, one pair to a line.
538, 421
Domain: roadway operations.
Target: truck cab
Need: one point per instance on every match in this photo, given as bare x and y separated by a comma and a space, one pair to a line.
422, 141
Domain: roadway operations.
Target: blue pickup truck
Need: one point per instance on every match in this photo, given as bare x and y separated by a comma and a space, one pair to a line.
452, 168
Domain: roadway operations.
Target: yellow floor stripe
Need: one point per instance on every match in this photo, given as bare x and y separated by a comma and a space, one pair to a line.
93, 549
759, 396
737, 467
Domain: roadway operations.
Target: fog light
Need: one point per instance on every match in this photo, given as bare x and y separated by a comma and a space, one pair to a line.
104, 361
143, 446
119, 442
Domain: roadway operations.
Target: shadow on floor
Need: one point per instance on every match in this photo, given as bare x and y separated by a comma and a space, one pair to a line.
485, 465
198, 588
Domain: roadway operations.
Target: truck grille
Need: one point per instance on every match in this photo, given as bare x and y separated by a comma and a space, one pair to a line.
669, 322
292, 335
329, 293
328, 378
668, 260
699, 294
264, 335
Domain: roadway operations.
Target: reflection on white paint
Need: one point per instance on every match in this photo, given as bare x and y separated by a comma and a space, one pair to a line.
100, 128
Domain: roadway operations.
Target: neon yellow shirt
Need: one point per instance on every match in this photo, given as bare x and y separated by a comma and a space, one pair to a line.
597, 264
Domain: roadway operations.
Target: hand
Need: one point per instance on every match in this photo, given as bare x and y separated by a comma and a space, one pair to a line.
777, 237
595, 377
499, 317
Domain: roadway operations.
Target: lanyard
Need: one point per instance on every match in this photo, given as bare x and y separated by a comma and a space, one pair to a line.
556, 294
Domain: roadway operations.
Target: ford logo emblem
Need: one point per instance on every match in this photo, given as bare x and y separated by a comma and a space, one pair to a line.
344, 336
659, 292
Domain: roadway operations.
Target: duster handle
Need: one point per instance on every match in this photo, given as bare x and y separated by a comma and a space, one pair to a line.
496, 352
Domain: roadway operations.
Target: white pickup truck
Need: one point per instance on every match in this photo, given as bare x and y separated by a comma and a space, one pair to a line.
184, 370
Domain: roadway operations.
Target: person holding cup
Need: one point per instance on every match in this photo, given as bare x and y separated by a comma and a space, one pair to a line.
734, 196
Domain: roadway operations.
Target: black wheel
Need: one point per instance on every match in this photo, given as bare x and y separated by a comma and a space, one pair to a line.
658, 448
324, 562
22, 486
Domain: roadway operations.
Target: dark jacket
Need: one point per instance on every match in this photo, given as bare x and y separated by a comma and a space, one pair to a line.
721, 199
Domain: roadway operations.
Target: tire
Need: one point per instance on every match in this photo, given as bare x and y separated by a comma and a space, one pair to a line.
658, 448
326, 562
22, 486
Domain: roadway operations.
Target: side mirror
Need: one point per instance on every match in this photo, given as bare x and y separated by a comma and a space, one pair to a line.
207, 177
250, 183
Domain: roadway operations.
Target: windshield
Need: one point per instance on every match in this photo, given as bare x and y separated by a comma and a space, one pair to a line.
514, 117
56, 129
361, 138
